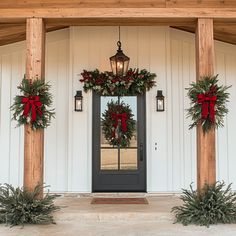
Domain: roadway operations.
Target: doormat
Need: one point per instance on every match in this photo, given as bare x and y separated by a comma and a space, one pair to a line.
119, 201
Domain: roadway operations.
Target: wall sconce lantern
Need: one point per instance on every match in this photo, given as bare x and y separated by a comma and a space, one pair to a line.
119, 62
78, 101
160, 101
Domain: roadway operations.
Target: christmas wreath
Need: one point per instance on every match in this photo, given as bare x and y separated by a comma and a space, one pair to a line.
118, 124
106, 83
32, 106
208, 103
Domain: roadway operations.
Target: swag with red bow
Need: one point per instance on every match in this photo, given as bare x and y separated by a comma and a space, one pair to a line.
32, 103
208, 102
123, 118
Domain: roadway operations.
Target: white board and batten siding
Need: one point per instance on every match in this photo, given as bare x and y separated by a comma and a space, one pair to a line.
68, 156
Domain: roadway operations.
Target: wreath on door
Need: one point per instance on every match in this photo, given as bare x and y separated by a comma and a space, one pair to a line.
118, 125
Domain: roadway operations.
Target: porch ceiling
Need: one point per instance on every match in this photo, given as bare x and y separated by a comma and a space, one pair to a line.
59, 14
11, 33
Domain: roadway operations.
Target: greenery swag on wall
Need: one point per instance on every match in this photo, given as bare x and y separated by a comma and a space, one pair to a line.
135, 82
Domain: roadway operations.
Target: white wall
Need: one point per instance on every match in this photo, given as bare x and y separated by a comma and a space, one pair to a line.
167, 52
12, 69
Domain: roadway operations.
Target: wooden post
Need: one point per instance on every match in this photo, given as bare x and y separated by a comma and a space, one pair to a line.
206, 164
34, 140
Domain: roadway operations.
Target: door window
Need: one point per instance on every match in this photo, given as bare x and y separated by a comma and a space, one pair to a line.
115, 157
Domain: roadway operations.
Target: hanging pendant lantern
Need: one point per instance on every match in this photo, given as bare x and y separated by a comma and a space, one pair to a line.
119, 62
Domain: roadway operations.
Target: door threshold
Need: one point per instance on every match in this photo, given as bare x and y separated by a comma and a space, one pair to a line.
119, 194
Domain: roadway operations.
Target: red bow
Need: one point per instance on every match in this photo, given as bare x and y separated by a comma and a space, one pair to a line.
208, 105
35, 104
116, 118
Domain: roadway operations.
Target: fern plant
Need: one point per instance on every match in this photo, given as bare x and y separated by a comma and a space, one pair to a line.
19, 206
211, 206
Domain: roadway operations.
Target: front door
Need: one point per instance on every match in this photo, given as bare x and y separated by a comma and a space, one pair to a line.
117, 168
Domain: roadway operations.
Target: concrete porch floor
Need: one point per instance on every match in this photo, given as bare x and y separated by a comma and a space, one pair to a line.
79, 218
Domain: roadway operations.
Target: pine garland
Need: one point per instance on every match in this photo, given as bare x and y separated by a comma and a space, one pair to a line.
118, 124
106, 83
208, 103
32, 106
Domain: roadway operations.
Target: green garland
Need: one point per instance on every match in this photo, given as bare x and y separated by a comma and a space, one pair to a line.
106, 83
32, 106
118, 124
208, 103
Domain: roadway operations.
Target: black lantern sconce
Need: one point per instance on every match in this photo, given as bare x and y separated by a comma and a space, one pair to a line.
160, 101
78, 101
119, 62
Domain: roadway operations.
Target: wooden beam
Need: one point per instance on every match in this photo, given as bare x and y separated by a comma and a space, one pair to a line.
206, 164
8, 14
82, 3
116, 3
201, 3
34, 140
120, 22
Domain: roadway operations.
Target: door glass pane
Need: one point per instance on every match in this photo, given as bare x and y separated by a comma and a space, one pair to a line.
132, 102
117, 158
128, 159
104, 101
109, 159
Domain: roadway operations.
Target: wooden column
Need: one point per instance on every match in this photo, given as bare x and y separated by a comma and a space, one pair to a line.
206, 164
34, 140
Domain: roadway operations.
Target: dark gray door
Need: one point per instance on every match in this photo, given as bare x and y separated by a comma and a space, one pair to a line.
114, 168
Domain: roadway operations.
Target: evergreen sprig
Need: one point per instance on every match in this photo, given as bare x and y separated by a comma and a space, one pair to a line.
123, 139
29, 88
212, 205
19, 206
106, 83
201, 87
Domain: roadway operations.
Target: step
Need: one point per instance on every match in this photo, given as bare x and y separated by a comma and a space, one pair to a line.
81, 210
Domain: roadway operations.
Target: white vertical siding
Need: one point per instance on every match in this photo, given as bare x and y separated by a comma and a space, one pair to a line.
167, 52
181, 142
226, 148
11, 155
11, 138
56, 136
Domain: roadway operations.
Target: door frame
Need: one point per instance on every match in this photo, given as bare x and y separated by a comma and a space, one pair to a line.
96, 148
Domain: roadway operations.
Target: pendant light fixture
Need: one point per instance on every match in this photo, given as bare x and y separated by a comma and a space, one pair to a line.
119, 62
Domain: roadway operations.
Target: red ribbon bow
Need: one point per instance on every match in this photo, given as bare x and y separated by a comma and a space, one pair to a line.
208, 105
116, 117
34, 103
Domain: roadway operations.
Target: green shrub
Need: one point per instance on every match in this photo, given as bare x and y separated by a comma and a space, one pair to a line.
213, 205
19, 206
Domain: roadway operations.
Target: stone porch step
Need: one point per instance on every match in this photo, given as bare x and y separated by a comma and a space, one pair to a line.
115, 217
80, 210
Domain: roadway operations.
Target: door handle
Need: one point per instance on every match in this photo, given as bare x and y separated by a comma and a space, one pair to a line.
141, 151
